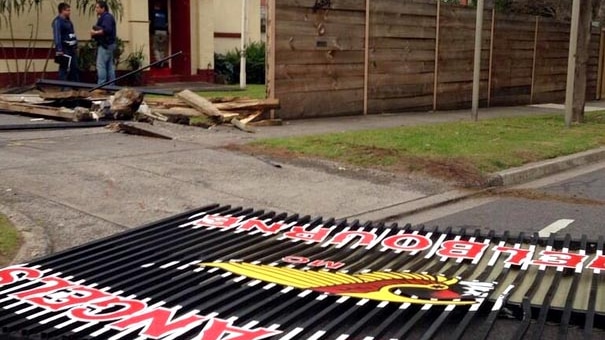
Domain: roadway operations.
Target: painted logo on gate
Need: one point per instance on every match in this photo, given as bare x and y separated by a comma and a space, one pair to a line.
404, 287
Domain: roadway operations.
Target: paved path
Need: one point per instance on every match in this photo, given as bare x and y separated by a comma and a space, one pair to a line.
71, 186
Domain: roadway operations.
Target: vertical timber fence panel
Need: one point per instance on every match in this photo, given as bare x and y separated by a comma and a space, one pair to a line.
514, 39
402, 55
551, 65
456, 57
320, 57
592, 71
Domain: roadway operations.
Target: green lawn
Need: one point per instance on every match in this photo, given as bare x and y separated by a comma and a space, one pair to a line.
9, 241
252, 91
454, 150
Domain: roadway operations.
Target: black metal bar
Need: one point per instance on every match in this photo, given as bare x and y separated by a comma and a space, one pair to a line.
526, 321
486, 327
541, 322
484, 275
51, 126
592, 301
109, 82
564, 326
78, 85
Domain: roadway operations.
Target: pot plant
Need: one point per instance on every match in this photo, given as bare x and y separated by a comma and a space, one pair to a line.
134, 61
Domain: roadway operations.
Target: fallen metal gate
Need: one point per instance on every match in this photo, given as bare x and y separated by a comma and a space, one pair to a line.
239, 274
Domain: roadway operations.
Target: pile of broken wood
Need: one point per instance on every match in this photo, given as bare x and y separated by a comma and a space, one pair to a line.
192, 109
185, 107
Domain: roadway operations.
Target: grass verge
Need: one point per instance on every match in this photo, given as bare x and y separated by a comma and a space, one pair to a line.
254, 91
9, 241
459, 151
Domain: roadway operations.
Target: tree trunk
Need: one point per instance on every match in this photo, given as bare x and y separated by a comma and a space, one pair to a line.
579, 98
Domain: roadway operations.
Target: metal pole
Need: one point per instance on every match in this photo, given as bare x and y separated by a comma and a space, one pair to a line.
135, 71
242, 69
571, 62
477, 69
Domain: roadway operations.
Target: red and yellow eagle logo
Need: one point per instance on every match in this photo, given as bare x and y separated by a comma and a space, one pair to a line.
415, 288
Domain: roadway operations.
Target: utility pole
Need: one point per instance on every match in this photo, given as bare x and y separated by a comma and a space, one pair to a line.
477, 68
571, 62
242, 64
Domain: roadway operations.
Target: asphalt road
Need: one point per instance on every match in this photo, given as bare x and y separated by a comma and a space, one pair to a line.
572, 202
576, 204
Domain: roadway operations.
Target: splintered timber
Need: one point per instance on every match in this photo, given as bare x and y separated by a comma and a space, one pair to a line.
403, 242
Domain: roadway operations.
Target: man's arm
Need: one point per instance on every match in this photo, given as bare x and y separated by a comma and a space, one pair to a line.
57, 36
105, 27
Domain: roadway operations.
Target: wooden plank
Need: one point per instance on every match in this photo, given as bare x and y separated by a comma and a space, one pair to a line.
400, 91
313, 43
178, 111
399, 68
437, 41
320, 104
318, 57
292, 28
551, 97
136, 129
71, 94
491, 58
366, 59
318, 70
238, 124
167, 102
402, 55
199, 103
301, 14
38, 110
533, 69
335, 5
411, 79
404, 19
249, 104
271, 64
400, 43
401, 104
321, 84
399, 7
251, 117
599, 89
268, 122
398, 31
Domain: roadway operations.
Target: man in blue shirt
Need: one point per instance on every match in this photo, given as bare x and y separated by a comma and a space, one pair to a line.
66, 44
159, 31
104, 32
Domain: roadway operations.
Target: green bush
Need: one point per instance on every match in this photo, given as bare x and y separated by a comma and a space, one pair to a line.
87, 55
227, 66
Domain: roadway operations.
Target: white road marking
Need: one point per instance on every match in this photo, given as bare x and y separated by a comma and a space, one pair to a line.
555, 227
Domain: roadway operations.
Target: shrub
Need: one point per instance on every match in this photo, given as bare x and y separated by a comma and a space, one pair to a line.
227, 66
87, 55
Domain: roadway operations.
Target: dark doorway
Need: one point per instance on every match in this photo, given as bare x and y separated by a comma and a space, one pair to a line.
169, 32
180, 15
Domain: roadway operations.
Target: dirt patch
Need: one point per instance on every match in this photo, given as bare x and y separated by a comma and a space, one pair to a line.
457, 172
536, 195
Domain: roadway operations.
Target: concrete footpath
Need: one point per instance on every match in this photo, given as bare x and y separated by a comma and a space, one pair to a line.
67, 187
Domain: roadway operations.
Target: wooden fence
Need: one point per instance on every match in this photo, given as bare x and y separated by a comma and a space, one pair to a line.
378, 56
